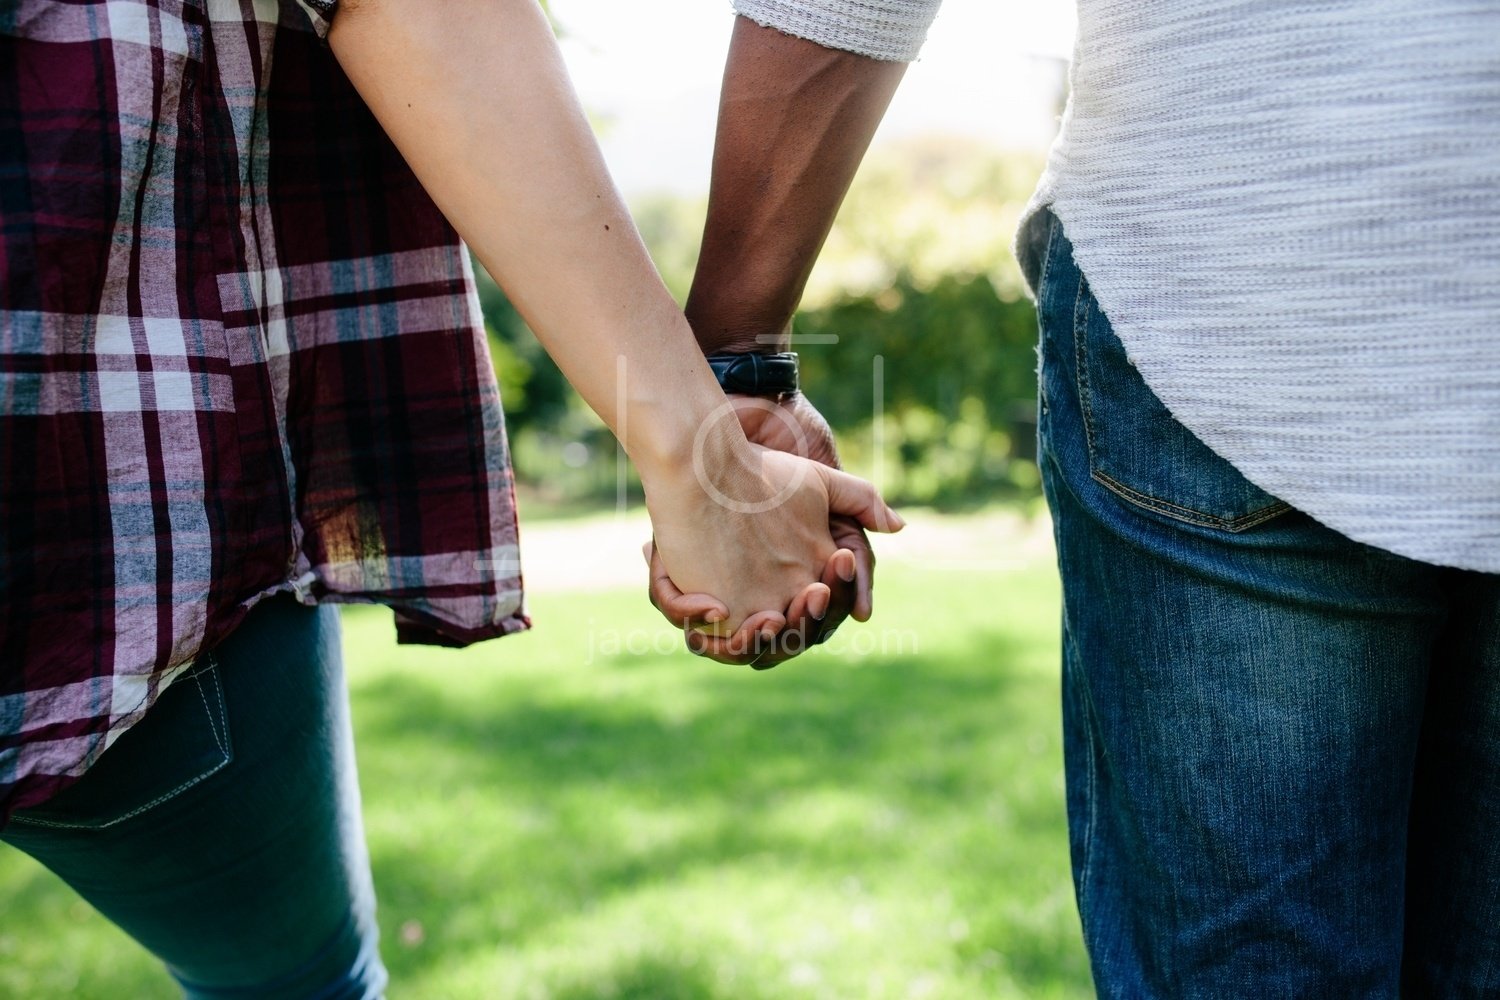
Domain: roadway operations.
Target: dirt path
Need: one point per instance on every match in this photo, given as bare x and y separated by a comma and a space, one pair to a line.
603, 552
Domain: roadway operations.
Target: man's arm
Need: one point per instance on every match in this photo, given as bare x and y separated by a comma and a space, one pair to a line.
795, 120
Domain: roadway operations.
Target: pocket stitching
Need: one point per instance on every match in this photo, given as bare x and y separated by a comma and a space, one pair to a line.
1153, 503
1187, 514
1040, 292
207, 708
164, 796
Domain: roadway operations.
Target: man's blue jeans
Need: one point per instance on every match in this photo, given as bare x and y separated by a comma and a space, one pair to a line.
223, 831
1282, 747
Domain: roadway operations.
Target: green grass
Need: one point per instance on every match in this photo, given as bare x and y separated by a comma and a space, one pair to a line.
554, 816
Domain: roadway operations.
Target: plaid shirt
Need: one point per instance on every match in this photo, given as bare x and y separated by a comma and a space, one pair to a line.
240, 353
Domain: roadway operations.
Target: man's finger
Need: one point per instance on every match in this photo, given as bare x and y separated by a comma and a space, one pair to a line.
818, 602
838, 572
864, 585
860, 568
840, 597
810, 604
817, 609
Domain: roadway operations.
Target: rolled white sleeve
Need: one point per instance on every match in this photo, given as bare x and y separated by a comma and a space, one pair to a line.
881, 29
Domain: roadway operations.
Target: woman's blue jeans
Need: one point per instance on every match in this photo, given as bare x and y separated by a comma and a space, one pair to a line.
223, 831
1282, 747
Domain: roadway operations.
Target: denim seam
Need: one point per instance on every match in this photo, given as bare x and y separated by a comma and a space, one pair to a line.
164, 796
1080, 367
1086, 871
1041, 281
1041, 297
1093, 750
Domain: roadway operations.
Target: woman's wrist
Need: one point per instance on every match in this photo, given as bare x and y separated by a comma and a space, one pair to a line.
677, 444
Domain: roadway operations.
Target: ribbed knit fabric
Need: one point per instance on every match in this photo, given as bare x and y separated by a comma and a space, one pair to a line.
1290, 212
882, 29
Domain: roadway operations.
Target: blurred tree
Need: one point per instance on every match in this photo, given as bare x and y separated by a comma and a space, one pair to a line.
926, 207
917, 273
944, 375
672, 228
531, 386
938, 345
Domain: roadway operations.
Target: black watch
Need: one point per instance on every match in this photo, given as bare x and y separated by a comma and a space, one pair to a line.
773, 375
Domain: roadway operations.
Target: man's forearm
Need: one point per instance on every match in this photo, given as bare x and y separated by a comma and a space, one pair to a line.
795, 119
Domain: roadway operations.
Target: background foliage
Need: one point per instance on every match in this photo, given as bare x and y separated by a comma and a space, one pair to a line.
916, 290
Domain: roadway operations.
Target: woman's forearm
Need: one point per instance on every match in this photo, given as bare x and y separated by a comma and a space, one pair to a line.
475, 96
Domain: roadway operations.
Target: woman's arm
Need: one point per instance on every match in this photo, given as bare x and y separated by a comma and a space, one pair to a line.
475, 96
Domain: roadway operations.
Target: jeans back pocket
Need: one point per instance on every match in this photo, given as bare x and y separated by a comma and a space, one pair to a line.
183, 739
1139, 451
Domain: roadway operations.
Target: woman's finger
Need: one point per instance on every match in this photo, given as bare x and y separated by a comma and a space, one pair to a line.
858, 499
756, 637
717, 648
683, 610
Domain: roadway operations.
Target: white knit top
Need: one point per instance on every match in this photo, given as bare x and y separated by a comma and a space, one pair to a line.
1290, 212
884, 29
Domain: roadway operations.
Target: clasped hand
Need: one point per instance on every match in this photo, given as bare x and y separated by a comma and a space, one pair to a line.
759, 548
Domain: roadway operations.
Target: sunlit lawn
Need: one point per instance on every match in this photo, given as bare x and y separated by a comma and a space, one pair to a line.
573, 814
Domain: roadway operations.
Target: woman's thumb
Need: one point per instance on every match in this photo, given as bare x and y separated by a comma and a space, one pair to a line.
856, 498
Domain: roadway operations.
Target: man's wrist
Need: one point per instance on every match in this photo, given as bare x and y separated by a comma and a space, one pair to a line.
744, 340
735, 324
746, 343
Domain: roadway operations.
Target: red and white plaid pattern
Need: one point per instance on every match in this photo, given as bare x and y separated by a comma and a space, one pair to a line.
240, 353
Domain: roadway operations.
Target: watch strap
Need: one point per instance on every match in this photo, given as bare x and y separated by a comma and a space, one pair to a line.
756, 374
